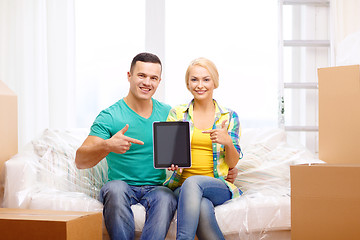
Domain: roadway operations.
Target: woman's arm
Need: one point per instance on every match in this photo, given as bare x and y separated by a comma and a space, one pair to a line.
221, 136
231, 155
234, 131
230, 140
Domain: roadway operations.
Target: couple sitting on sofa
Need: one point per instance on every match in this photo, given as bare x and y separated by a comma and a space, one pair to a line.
123, 134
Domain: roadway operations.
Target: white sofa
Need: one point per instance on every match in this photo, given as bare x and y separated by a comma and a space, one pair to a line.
44, 176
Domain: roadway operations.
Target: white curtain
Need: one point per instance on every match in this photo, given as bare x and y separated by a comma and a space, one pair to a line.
346, 27
37, 62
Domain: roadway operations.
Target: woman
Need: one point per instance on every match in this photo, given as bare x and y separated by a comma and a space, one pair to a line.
215, 148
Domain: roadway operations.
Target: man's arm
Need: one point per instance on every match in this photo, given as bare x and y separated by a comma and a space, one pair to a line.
232, 174
94, 149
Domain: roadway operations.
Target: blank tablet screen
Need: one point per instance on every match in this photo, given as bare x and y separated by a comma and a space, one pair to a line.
171, 144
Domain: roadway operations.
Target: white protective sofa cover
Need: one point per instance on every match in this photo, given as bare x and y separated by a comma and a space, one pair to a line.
44, 176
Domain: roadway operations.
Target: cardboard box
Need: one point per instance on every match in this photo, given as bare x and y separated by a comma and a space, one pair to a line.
325, 201
339, 114
8, 129
28, 224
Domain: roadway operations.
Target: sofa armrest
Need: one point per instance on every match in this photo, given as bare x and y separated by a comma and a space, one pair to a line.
20, 177
50, 198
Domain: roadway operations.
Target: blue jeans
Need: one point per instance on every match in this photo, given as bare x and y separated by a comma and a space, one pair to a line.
196, 214
117, 197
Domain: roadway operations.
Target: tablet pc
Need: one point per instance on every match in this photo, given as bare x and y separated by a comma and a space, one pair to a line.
171, 144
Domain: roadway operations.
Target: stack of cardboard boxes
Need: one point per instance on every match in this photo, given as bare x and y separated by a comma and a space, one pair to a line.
325, 198
29, 223
8, 129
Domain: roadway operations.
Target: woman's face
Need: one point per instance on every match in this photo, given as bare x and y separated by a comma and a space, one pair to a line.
200, 83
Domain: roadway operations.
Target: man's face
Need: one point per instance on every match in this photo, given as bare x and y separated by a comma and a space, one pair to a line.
144, 79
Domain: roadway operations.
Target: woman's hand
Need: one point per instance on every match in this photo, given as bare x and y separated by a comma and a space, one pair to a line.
174, 168
221, 135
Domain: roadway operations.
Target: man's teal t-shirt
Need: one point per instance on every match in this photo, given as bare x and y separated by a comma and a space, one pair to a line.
135, 167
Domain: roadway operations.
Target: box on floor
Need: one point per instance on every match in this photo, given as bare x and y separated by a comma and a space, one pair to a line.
325, 201
29, 224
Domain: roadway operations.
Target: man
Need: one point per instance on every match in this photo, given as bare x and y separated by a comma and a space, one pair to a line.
123, 134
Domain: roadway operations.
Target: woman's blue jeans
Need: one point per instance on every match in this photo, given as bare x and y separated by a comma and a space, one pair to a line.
196, 214
117, 197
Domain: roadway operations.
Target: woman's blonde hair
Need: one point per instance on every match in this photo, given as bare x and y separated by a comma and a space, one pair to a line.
208, 65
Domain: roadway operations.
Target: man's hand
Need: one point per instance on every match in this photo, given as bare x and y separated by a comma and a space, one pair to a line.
94, 148
119, 143
232, 174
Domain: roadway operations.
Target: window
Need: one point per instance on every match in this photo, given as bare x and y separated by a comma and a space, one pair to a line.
240, 37
109, 33
306, 47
